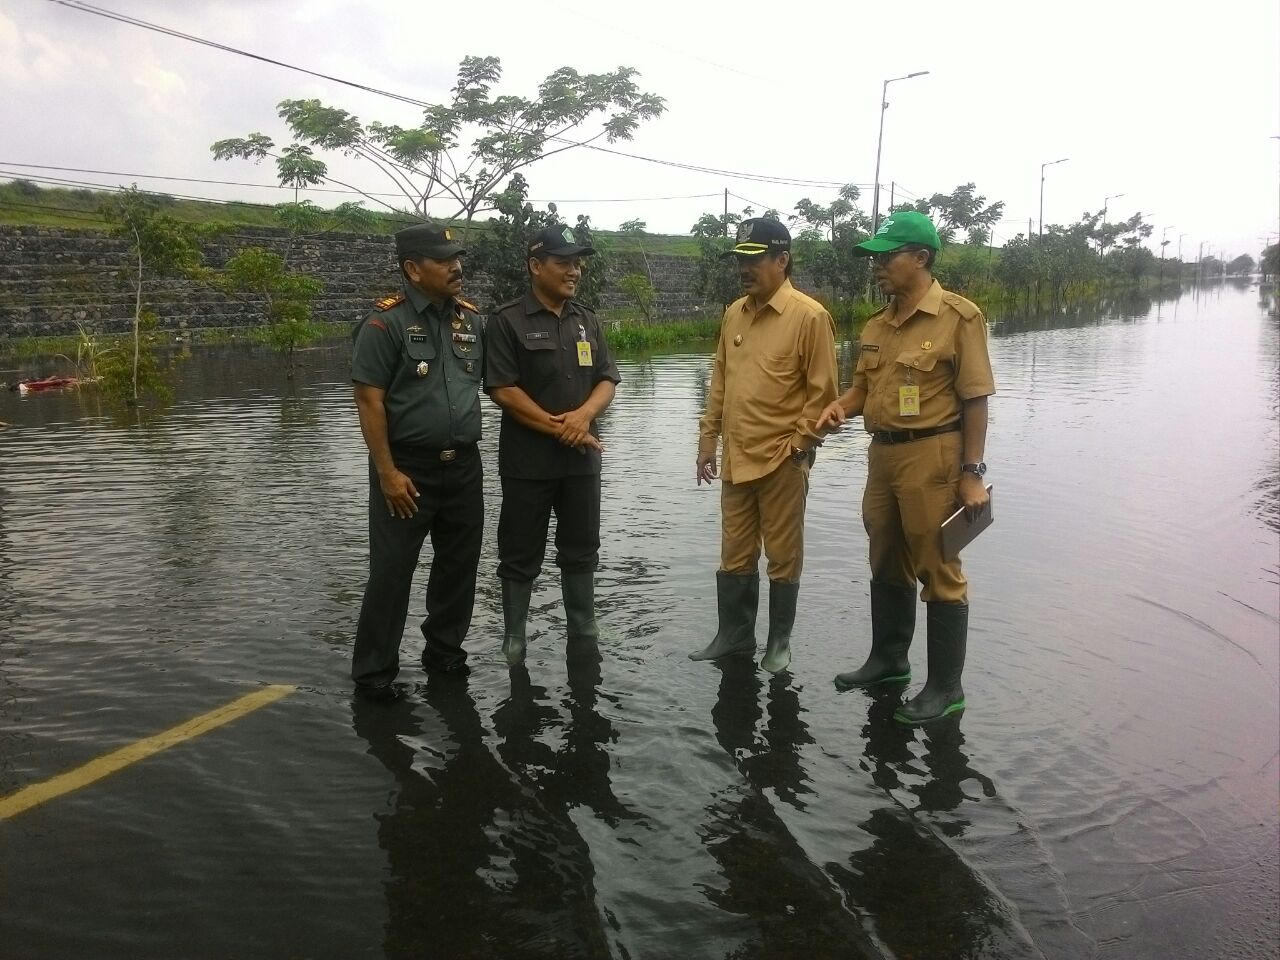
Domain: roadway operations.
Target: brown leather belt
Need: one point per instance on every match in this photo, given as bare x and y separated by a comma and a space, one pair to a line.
906, 436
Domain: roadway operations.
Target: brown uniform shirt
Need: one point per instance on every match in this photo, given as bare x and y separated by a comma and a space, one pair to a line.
774, 373
941, 348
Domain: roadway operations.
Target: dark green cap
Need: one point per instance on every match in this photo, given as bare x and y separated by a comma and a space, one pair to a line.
432, 240
898, 230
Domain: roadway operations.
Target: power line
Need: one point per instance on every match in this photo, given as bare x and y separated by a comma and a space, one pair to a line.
83, 7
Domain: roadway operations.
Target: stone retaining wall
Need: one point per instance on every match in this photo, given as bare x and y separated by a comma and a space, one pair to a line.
53, 278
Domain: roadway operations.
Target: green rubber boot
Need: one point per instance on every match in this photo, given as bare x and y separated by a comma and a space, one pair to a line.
737, 601
782, 616
579, 592
942, 693
515, 618
893, 622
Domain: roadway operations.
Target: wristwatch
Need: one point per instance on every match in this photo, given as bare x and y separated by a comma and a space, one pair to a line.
979, 470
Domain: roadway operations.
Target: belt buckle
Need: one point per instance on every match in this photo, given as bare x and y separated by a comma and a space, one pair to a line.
448, 455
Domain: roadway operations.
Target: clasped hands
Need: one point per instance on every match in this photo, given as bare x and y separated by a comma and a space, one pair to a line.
575, 430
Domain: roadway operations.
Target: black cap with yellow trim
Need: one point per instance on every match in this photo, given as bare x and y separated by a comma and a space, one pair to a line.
760, 235
432, 240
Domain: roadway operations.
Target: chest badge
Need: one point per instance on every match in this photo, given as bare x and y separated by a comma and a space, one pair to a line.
737, 341
927, 345
423, 367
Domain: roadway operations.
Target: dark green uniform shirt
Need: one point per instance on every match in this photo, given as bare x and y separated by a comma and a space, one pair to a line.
430, 361
529, 347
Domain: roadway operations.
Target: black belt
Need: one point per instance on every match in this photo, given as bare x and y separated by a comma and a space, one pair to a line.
420, 454
906, 436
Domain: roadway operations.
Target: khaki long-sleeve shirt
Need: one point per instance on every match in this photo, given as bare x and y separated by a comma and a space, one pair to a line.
775, 372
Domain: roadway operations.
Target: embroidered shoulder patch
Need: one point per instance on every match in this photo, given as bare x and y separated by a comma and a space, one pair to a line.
386, 303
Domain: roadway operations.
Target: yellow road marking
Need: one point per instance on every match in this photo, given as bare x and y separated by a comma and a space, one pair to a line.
94, 770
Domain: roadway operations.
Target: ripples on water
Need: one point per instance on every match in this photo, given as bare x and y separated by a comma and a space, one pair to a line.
1110, 793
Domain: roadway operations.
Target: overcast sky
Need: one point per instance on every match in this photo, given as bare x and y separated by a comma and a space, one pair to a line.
1174, 106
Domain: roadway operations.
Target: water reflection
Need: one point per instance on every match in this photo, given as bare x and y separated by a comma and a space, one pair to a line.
485, 859
925, 900
769, 879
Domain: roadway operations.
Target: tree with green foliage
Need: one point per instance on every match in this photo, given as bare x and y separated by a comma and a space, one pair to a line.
715, 278
824, 246
465, 150
273, 280
159, 246
500, 252
1242, 265
640, 290
961, 209
1270, 262
634, 229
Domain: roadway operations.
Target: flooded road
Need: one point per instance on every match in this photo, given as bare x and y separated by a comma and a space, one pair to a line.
1110, 792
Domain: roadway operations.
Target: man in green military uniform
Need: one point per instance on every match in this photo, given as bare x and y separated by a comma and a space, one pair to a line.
547, 364
417, 368
921, 385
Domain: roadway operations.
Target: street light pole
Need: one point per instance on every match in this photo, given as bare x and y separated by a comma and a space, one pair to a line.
1164, 232
1102, 242
884, 105
1042, 166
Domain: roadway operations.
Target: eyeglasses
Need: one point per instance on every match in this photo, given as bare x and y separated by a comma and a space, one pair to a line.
880, 259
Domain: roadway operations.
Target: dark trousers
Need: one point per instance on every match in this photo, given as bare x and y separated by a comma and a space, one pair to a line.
526, 513
451, 511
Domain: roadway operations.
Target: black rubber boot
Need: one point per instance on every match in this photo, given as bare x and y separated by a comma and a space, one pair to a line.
737, 601
579, 592
782, 616
942, 693
515, 618
893, 622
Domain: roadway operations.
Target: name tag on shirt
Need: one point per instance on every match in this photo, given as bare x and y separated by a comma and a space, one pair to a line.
584, 353
538, 335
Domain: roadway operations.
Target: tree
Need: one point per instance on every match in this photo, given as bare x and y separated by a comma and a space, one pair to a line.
1270, 263
1242, 265
639, 288
961, 209
824, 247
273, 280
715, 278
158, 246
465, 150
635, 230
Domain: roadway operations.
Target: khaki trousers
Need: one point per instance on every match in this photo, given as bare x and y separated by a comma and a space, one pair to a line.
911, 489
769, 510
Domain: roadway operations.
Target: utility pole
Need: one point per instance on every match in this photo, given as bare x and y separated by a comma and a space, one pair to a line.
1102, 242
1042, 166
726, 212
1200, 264
1163, 243
893, 189
884, 105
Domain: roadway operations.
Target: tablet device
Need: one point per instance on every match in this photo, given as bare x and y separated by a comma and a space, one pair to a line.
958, 531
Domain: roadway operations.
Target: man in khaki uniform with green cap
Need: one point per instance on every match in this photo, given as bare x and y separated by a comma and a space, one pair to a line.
775, 372
921, 385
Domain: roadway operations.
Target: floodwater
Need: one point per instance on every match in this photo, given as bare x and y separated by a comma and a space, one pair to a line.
1111, 791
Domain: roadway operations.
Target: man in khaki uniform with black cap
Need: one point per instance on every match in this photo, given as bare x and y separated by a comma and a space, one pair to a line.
548, 366
775, 371
921, 384
417, 368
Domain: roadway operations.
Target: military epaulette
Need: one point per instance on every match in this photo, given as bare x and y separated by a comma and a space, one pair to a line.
386, 303
466, 305
966, 308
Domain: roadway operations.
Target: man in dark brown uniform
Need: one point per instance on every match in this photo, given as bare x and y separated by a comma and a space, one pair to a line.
921, 385
548, 366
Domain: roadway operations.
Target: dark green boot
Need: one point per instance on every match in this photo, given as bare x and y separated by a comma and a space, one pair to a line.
515, 618
782, 616
942, 693
579, 591
893, 622
737, 600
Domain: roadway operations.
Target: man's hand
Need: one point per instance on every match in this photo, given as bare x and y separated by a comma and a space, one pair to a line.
580, 429
832, 418
399, 493
706, 468
973, 495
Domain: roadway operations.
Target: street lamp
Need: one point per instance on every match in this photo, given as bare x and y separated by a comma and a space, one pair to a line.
1164, 232
884, 105
1102, 243
1042, 166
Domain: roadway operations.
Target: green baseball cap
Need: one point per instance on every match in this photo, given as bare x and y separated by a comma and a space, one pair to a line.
898, 230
